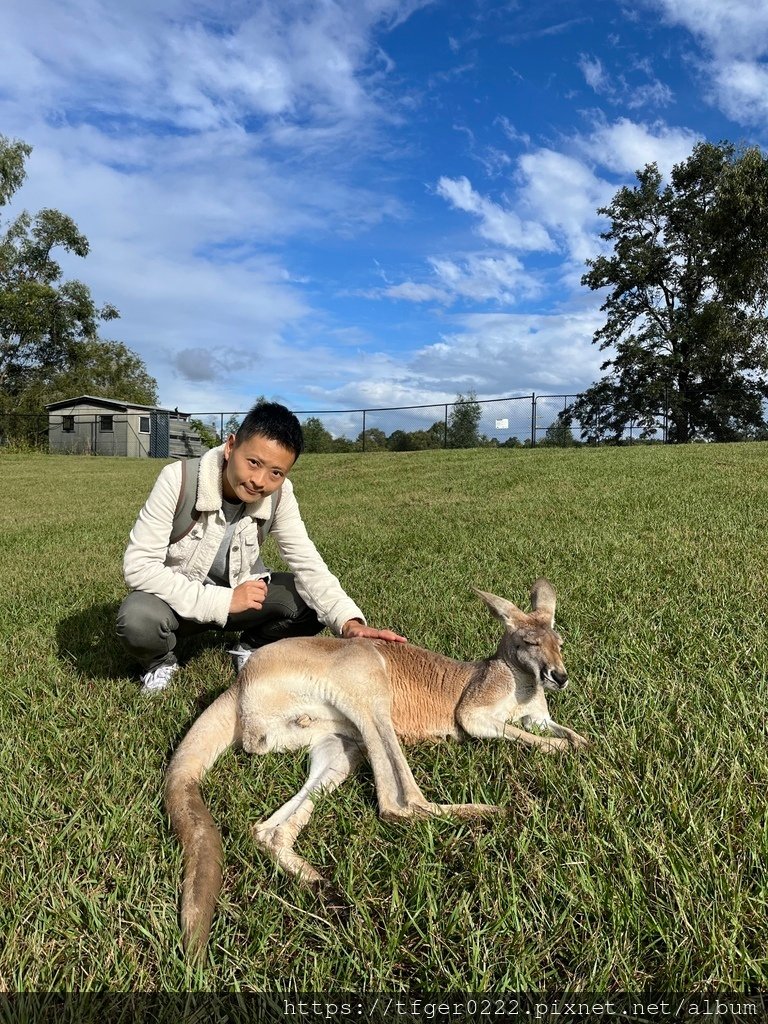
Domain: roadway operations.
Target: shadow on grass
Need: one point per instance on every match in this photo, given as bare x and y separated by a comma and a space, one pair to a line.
87, 640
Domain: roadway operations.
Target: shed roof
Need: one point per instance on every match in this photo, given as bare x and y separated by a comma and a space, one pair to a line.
109, 403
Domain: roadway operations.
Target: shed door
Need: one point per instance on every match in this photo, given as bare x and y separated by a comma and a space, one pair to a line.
159, 435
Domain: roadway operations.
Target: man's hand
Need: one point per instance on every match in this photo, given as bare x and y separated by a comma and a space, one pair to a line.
249, 595
356, 628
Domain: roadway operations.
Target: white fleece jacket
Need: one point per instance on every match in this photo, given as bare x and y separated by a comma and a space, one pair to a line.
176, 573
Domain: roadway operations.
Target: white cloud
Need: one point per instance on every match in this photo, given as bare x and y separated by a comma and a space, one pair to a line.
655, 94
199, 65
478, 277
564, 194
734, 36
497, 224
553, 205
595, 74
484, 278
410, 291
621, 88
727, 27
168, 132
495, 354
555, 202
626, 146
742, 89
512, 353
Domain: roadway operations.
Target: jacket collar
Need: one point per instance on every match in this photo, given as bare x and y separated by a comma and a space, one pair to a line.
209, 490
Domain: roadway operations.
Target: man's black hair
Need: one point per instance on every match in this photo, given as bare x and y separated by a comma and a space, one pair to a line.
275, 422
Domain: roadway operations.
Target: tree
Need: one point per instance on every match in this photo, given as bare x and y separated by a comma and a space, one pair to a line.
105, 369
432, 437
12, 172
231, 426
42, 318
342, 445
206, 432
559, 434
316, 437
417, 440
685, 310
373, 439
464, 421
399, 441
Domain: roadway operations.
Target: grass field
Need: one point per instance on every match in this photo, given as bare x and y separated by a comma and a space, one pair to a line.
640, 863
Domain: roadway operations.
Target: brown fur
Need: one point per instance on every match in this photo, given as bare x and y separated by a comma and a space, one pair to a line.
342, 698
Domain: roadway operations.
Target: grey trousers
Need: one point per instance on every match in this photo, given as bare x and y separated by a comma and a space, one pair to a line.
149, 629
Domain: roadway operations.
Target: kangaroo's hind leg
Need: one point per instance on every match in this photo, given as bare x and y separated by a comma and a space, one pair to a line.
331, 760
397, 791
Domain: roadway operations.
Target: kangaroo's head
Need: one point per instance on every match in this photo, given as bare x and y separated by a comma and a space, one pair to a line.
530, 643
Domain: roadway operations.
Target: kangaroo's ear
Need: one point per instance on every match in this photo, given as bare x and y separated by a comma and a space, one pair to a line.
543, 600
509, 613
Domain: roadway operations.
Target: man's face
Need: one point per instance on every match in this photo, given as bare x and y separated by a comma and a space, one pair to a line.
254, 468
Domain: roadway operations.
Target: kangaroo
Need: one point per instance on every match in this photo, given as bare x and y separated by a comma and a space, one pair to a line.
343, 699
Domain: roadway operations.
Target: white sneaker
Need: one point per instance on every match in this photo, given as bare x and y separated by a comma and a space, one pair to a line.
158, 678
240, 655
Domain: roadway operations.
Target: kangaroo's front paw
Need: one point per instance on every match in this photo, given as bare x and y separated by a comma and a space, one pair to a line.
553, 744
577, 742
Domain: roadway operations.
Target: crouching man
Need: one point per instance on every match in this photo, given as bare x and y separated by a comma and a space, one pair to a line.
206, 572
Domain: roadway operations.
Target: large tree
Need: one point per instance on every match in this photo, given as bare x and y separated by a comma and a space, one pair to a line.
687, 282
49, 340
105, 369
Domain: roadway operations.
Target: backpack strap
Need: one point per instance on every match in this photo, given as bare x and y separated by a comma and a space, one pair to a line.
186, 515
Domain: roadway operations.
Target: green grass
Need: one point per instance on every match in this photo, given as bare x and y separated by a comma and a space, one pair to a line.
640, 863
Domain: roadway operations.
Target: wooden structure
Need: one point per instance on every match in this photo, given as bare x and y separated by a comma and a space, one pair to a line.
108, 426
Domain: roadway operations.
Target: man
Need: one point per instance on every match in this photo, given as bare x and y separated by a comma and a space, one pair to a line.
213, 576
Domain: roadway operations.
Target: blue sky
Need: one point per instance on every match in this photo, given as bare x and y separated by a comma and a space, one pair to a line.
362, 202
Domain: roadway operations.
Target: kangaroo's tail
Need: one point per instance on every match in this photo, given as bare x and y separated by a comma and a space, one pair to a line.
215, 731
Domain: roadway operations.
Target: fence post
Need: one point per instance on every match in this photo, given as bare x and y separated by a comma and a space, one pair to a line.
666, 415
445, 427
363, 429
533, 419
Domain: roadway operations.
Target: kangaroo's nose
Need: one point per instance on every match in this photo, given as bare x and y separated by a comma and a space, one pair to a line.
561, 678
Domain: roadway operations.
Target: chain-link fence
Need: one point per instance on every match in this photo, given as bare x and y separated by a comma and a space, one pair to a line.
29, 430
154, 435
519, 421
554, 426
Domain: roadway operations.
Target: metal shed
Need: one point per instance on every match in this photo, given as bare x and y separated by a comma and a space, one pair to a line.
107, 426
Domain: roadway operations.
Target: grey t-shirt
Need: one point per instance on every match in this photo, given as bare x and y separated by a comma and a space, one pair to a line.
218, 574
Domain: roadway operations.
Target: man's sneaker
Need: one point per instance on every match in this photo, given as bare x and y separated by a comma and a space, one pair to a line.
158, 678
240, 655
